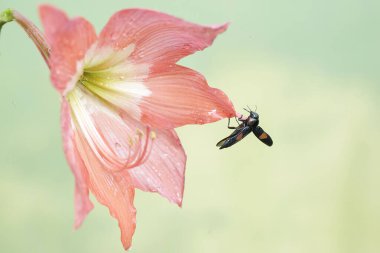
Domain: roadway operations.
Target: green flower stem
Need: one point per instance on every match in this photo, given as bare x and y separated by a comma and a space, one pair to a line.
33, 32
5, 17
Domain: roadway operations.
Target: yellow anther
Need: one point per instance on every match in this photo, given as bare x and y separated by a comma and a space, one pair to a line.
139, 132
130, 141
153, 135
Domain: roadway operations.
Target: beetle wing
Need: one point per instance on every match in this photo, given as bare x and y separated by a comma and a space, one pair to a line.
220, 143
235, 137
263, 136
235, 132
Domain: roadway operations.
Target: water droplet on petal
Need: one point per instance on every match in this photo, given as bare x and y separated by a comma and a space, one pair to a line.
119, 149
186, 46
114, 36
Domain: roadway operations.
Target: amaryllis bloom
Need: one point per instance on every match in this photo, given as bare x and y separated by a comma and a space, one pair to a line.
122, 96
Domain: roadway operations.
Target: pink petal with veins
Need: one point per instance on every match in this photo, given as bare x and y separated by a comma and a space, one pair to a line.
157, 37
129, 85
118, 144
182, 96
52, 19
83, 204
69, 44
111, 189
164, 171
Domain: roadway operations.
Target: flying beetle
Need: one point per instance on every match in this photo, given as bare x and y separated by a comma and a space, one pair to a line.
247, 125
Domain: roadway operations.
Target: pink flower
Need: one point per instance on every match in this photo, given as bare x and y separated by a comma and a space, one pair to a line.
122, 96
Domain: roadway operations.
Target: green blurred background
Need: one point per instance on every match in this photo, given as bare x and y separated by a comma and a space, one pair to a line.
312, 69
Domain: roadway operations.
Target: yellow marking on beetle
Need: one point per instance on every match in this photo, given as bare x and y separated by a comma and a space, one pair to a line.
263, 136
239, 137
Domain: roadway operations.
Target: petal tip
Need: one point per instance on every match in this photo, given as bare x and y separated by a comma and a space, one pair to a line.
79, 219
45, 9
126, 240
78, 224
221, 28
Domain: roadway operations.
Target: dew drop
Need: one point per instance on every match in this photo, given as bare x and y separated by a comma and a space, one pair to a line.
119, 148
186, 46
141, 54
114, 36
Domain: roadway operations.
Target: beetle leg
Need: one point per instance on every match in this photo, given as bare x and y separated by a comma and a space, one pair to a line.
241, 117
230, 127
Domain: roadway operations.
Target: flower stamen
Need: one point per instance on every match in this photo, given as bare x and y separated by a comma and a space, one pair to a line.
143, 153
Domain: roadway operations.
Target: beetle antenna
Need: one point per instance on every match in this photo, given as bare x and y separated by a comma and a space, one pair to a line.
255, 108
250, 110
246, 110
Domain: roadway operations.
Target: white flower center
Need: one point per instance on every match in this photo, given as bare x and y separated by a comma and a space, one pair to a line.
112, 77
109, 87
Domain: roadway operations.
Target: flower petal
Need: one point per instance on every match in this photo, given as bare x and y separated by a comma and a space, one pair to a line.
164, 171
118, 144
157, 37
182, 96
83, 204
69, 45
52, 20
113, 190
112, 77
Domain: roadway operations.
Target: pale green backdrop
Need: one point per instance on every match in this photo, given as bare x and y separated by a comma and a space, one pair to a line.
312, 69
